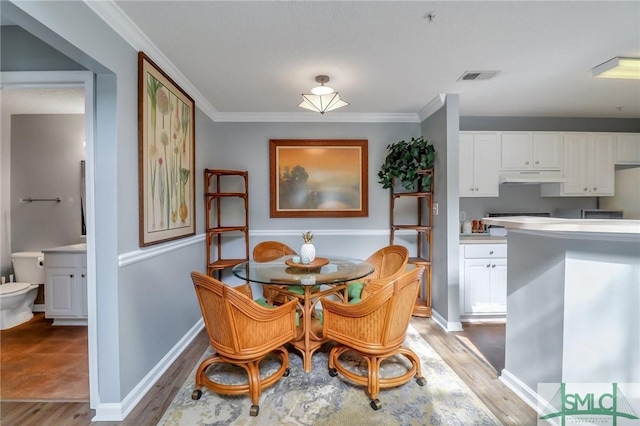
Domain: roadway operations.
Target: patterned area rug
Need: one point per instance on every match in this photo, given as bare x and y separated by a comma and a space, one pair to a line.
317, 398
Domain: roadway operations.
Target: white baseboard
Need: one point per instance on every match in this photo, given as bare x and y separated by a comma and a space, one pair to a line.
38, 307
119, 411
524, 392
446, 325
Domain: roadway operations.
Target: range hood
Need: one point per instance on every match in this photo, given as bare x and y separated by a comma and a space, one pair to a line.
531, 176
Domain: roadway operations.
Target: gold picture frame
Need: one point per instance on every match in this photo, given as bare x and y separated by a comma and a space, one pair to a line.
166, 156
318, 178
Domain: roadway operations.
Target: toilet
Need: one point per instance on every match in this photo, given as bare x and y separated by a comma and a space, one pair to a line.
17, 298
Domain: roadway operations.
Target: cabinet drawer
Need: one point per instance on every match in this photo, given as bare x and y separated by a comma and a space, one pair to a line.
475, 251
64, 260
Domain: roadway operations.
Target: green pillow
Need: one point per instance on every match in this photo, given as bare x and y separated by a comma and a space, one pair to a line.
298, 289
263, 302
355, 300
354, 290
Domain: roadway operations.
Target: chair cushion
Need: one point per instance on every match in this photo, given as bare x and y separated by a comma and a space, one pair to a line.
298, 289
354, 290
263, 302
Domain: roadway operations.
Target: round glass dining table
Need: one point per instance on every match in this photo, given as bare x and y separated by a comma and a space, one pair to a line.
323, 277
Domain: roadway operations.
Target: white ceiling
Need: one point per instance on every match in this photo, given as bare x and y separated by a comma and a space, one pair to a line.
42, 101
386, 57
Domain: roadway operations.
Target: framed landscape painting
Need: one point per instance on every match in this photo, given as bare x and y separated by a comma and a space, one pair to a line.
166, 156
318, 178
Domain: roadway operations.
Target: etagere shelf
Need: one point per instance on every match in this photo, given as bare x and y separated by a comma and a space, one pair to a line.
423, 229
215, 197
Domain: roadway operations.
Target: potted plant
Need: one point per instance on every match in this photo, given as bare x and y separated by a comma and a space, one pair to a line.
403, 162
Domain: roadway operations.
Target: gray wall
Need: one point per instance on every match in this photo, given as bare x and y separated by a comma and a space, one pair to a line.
550, 124
245, 146
521, 199
442, 129
22, 51
46, 151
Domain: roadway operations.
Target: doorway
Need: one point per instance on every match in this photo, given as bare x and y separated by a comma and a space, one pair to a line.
61, 81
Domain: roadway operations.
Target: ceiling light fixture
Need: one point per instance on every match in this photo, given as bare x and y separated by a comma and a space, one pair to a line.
618, 67
322, 98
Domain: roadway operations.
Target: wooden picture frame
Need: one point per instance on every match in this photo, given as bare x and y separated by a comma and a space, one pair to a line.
318, 178
166, 156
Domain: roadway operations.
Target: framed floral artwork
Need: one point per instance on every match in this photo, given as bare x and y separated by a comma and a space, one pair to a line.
318, 178
166, 156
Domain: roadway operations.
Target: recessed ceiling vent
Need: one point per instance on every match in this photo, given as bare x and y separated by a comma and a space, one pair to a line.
477, 75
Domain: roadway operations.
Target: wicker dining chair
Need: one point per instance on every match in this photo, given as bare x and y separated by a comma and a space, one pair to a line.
242, 333
375, 329
388, 262
267, 251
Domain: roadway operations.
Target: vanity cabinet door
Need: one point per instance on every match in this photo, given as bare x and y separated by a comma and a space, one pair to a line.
60, 292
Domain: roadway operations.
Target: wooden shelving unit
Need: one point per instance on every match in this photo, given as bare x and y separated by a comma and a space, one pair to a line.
422, 227
215, 198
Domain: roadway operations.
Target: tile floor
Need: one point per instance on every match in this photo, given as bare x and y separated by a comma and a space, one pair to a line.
39, 361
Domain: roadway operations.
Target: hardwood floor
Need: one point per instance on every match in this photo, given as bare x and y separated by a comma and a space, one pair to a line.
485, 340
44, 362
480, 377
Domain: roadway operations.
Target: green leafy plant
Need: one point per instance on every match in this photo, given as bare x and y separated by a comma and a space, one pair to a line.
403, 162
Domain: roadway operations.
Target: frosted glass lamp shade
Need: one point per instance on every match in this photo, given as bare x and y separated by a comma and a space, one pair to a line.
322, 103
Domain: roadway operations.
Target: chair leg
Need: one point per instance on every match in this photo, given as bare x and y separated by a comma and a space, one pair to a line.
411, 356
252, 368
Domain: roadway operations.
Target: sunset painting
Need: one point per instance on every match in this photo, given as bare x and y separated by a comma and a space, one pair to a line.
312, 178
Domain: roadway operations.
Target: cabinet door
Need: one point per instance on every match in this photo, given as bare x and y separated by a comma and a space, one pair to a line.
477, 286
601, 168
515, 151
547, 151
60, 292
485, 165
575, 160
498, 297
628, 148
466, 165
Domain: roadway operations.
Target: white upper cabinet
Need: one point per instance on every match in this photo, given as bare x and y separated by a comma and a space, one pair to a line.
530, 151
588, 166
478, 164
628, 148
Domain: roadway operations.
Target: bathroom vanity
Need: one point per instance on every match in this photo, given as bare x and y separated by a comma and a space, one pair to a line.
65, 286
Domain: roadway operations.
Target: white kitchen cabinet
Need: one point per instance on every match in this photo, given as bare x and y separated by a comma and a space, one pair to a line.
66, 288
478, 161
530, 151
483, 280
588, 166
628, 149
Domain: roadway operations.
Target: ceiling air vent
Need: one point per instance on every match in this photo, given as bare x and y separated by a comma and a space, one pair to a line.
478, 75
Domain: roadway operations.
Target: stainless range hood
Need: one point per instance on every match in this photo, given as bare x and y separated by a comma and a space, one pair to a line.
531, 176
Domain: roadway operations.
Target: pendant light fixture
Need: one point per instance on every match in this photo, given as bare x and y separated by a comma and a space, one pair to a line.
322, 98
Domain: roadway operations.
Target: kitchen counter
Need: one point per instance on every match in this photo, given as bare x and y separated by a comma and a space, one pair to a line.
482, 239
73, 248
613, 226
573, 302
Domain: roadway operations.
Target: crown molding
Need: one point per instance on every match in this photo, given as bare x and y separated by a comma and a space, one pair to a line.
433, 106
310, 117
110, 13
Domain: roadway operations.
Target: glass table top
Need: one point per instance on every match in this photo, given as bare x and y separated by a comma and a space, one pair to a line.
336, 270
